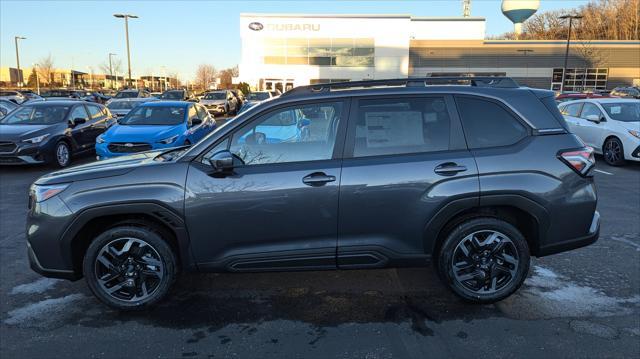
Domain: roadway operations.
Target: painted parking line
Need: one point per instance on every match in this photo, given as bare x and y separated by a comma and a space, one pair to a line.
605, 172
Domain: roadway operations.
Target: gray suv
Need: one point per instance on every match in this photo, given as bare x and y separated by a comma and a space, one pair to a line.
475, 175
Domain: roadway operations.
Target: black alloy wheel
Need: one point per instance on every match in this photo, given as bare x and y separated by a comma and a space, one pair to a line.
129, 267
613, 152
484, 260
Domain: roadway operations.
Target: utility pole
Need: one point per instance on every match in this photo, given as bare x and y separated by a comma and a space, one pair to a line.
466, 8
111, 68
35, 67
16, 38
126, 30
566, 53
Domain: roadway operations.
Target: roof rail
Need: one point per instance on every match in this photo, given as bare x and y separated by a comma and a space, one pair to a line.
484, 81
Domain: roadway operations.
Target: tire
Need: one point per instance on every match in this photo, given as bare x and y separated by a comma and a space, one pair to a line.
480, 277
59, 158
613, 152
140, 276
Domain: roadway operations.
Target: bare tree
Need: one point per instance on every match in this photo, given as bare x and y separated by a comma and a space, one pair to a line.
205, 75
46, 69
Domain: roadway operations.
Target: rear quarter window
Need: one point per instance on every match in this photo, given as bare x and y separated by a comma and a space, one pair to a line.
488, 124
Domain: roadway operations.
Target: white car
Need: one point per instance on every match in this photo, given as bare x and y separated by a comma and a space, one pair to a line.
611, 126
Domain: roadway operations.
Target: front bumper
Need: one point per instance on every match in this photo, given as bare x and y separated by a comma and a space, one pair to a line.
103, 152
574, 243
27, 154
216, 109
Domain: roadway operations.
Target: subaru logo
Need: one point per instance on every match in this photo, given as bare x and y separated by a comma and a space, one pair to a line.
128, 145
256, 26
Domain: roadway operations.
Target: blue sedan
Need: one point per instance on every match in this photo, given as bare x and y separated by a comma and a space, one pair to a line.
155, 125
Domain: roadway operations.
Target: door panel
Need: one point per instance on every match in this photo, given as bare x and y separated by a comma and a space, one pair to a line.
405, 159
81, 133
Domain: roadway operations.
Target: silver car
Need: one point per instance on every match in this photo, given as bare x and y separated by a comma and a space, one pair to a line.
221, 102
120, 107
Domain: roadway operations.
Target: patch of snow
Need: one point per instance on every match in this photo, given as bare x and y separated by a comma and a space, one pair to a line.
34, 311
40, 286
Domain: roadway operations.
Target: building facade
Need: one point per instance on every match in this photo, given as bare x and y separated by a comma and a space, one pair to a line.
280, 51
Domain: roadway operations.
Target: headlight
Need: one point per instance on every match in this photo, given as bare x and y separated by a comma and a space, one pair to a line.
36, 139
42, 193
99, 139
169, 140
635, 133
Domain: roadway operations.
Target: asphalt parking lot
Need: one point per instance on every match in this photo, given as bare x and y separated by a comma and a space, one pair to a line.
584, 303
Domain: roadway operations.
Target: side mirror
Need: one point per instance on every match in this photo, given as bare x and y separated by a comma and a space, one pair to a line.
77, 121
224, 161
196, 121
594, 118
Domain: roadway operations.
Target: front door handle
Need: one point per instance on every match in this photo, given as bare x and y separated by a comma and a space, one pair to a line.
318, 179
449, 169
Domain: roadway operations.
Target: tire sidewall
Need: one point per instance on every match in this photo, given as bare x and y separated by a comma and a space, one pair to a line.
445, 258
152, 238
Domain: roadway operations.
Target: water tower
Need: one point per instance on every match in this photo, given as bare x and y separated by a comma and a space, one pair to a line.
518, 11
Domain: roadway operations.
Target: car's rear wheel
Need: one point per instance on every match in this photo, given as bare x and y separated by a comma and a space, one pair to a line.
613, 152
129, 267
62, 154
484, 260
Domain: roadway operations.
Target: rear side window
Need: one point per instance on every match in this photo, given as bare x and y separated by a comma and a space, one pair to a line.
572, 110
487, 124
401, 126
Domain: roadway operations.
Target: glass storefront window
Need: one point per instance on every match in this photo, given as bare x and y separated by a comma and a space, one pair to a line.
351, 52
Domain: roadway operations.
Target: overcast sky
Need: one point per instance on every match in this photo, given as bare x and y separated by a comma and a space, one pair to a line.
182, 34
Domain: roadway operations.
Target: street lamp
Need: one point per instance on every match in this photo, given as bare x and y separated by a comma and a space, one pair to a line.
35, 66
526, 52
111, 68
126, 18
16, 38
566, 53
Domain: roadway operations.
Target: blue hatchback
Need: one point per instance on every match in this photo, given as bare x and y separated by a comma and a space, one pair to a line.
155, 125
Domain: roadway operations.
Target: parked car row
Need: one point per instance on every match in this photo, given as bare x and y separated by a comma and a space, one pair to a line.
54, 131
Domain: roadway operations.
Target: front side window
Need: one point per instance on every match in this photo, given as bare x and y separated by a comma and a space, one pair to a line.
487, 124
623, 111
79, 112
401, 126
297, 133
590, 109
36, 115
154, 115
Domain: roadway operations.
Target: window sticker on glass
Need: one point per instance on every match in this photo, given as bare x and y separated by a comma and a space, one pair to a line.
385, 129
616, 110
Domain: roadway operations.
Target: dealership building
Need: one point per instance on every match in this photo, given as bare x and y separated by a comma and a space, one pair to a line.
280, 51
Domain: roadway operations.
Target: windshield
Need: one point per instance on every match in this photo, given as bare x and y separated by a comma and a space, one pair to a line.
154, 115
215, 96
37, 115
126, 94
122, 105
623, 111
172, 95
258, 96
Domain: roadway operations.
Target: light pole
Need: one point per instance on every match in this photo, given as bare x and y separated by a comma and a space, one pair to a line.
111, 68
526, 52
566, 53
35, 66
126, 30
16, 38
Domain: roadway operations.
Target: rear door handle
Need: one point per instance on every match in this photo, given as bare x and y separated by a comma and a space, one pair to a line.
318, 179
449, 169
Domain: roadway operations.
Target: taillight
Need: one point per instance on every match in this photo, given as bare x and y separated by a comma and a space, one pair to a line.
580, 160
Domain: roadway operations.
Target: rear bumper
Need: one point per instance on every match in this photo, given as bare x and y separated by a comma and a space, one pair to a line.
590, 238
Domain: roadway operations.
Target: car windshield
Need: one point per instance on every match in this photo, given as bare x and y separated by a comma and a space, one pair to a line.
215, 96
623, 111
154, 115
258, 96
126, 94
172, 95
37, 115
122, 105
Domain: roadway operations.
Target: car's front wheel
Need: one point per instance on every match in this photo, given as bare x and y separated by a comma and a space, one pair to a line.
129, 267
62, 155
484, 260
613, 152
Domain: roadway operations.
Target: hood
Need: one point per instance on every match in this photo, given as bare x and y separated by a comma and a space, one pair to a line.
19, 132
630, 125
141, 133
212, 102
120, 112
108, 168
